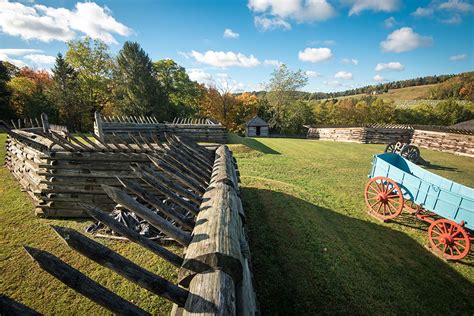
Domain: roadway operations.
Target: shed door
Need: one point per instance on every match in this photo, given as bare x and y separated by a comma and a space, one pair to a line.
258, 131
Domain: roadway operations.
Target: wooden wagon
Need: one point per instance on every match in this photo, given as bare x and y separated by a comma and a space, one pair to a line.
397, 184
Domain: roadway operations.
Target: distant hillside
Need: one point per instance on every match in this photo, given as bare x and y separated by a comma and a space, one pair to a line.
460, 87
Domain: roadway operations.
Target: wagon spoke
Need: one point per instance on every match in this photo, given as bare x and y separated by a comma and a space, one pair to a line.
460, 245
392, 196
451, 250
378, 210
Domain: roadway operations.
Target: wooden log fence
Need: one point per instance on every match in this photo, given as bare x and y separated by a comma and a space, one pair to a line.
440, 138
214, 276
60, 170
129, 127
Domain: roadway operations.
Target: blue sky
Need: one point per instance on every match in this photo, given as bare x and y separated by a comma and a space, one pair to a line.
340, 44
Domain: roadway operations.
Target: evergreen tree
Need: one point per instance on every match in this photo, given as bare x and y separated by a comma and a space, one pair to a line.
135, 88
65, 92
5, 111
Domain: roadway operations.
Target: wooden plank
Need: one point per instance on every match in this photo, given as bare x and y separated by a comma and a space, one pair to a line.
126, 268
211, 294
153, 177
155, 220
82, 284
131, 235
216, 240
134, 187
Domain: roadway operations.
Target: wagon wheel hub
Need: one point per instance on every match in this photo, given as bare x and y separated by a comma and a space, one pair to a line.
446, 239
382, 197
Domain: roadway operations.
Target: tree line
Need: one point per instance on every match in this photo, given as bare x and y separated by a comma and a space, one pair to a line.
88, 79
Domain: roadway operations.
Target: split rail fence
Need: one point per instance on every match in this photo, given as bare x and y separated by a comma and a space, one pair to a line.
440, 138
197, 130
188, 192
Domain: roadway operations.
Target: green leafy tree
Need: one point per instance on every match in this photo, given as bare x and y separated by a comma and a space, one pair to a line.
135, 87
91, 59
282, 93
29, 96
66, 93
180, 94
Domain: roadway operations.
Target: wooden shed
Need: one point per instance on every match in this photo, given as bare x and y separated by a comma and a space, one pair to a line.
256, 127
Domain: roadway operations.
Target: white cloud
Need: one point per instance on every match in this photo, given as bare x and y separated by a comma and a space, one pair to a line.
41, 59
456, 5
458, 57
300, 11
455, 19
267, 24
315, 55
403, 40
389, 22
333, 83
16, 62
422, 12
228, 33
49, 24
225, 59
312, 74
379, 78
375, 5
343, 75
199, 75
18, 51
394, 65
272, 62
351, 61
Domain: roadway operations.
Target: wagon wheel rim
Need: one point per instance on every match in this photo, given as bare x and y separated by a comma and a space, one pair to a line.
449, 239
383, 198
411, 153
390, 147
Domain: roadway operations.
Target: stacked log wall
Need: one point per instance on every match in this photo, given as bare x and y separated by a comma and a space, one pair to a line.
58, 179
458, 144
454, 141
194, 130
352, 135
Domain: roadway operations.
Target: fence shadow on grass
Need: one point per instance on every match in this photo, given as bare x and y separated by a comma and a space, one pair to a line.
256, 145
311, 260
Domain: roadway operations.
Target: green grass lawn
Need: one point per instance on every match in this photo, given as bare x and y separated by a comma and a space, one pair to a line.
316, 250
22, 280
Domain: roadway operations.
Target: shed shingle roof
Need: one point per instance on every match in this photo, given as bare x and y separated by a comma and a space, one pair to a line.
256, 121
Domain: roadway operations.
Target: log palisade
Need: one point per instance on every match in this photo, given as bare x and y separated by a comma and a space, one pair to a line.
128, 127
188, 192
440, 138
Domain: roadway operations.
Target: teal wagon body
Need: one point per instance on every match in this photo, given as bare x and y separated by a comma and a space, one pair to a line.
434, 193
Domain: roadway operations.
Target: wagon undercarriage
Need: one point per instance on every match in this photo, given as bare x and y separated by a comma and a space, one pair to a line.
447, 239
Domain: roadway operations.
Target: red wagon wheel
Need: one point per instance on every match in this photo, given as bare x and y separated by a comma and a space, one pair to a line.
449, 239
383, 198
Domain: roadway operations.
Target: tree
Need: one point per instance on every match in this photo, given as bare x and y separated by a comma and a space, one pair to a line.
5, 93
91, 60
65, 91
29, 93
281, 93
180, 94
135, 87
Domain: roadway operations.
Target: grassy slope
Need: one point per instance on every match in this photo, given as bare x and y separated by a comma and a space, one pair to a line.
408, 93
315, 249
25, 282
